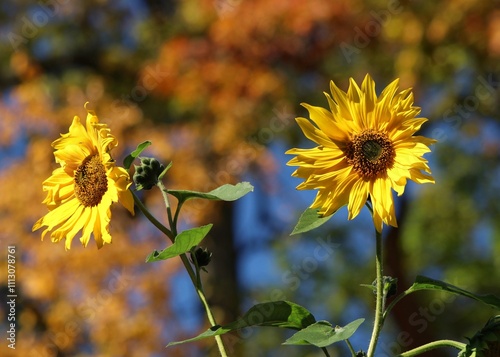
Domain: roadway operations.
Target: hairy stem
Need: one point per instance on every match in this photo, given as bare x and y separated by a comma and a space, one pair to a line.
379, 307
432, 345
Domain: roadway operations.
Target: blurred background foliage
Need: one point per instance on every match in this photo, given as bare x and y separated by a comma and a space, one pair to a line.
215, 85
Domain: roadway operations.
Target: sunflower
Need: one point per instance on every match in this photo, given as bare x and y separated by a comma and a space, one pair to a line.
365, 147
81, 191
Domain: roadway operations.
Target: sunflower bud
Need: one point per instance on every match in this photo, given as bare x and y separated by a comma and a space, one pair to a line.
486, 342
147, 173
390, 285
201, 256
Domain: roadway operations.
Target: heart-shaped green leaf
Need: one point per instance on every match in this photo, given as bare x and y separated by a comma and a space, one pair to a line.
183, 243
225, 192
425, 283
322, 334
309, 220
284, 314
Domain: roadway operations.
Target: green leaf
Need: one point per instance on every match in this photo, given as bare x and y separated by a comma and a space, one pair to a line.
424, 283
322, 334
284, 314
223, 193
130, 158
309, 220
183, 243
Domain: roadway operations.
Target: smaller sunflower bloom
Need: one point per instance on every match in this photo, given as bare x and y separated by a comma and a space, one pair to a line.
80, 192
366, 147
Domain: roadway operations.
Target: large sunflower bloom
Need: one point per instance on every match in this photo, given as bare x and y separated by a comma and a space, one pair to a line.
81, 191
365, 147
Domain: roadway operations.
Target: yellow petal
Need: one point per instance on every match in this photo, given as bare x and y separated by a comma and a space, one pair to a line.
357, 198
326, 122
89, 225
312, 133
127, 200
58, 215
77, 136
67, 215
354, 116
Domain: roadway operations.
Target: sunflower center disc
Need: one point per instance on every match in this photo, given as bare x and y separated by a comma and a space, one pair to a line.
371, 149
370, 153
91, 182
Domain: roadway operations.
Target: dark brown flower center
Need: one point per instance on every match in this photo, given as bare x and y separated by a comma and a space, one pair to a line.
91, 182
370, 153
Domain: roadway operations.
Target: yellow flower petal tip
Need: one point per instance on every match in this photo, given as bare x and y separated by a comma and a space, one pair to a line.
81, 191
366, 147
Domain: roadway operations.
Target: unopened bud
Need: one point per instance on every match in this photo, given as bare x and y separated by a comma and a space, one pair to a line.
147, 173
201, 256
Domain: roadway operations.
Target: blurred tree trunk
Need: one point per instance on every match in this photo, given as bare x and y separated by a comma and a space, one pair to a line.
222, 278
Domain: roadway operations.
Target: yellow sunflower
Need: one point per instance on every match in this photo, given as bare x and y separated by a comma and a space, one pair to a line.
81, 191
365, 147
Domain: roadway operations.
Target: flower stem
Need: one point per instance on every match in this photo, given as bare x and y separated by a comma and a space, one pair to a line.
432, 345
163, 190
195, 278
353, 353
152, 219
394, 302
379, 307
203, 299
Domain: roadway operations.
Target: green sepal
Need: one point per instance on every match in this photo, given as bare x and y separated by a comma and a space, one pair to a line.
127, 162
284, 314
369, 286
225, 192
309, 220
184, 242
165, 171
425, 283
322, 334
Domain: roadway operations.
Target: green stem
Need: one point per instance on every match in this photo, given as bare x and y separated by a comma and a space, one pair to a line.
199, 291
394, 302
163, 189
379, 307
432, 345
195, 278
325, 351
151, 218
353, 353
177, 211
